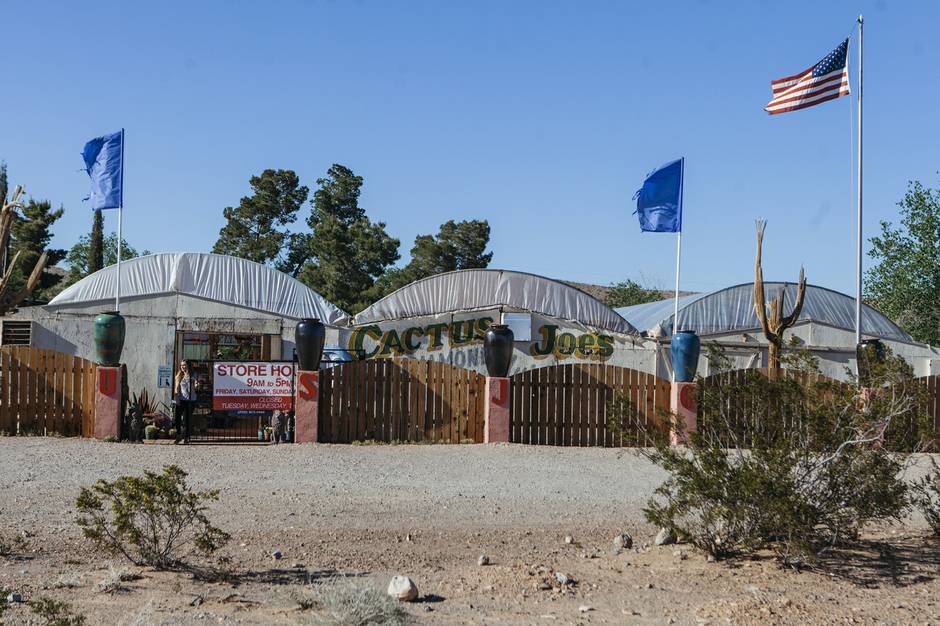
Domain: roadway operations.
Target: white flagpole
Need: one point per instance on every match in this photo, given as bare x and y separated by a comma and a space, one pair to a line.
675, 305
117, 288
858, 251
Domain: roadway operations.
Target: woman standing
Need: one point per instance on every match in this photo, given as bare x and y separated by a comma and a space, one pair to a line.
185, 394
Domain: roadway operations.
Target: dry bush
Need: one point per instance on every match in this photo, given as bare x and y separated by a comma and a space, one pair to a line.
792, 462
926, 497
154, 519
55, 612
350, 602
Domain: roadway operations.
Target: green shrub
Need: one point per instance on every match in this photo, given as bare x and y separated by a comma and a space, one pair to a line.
792, 462
154, 519
56, 612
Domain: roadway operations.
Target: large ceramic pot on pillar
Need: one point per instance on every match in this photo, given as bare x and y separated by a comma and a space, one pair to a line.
685, 348
497, 350
869, 353
109, 338
309, 336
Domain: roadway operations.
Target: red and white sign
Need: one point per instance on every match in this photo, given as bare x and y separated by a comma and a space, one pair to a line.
252, 386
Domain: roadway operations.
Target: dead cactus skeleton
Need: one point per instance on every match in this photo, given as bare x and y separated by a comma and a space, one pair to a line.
10, 300
775, 326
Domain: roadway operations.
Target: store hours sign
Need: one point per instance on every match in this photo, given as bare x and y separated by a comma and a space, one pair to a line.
252, 386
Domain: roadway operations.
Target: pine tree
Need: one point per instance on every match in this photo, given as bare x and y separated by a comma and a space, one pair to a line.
95, 255
345, 252
30, 237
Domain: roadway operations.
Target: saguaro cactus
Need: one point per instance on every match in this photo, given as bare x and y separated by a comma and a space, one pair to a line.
775, 326
9, 300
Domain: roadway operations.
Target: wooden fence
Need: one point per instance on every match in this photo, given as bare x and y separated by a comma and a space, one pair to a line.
400, 400
568, 405
44, 392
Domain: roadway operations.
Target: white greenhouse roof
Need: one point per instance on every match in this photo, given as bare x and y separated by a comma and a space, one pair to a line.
215, 277
732, 309
480, 289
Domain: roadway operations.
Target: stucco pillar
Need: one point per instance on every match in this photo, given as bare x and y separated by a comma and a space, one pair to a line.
496, 411
682, 405
108, 402
307, 407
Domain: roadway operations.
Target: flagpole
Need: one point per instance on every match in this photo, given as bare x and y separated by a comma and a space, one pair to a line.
117, 288
858, 250
675, 304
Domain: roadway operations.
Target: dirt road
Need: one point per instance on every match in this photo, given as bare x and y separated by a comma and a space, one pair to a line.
430, 512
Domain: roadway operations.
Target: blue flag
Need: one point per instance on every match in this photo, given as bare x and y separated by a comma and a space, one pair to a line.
659, 200
104, 162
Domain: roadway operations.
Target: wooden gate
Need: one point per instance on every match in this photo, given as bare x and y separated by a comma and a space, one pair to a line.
400, 400
569, 405
44, 392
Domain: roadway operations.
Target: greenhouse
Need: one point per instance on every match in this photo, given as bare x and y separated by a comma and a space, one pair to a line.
826, 327
443, 318
179, 306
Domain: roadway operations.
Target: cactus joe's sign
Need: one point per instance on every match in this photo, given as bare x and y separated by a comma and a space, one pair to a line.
252, 386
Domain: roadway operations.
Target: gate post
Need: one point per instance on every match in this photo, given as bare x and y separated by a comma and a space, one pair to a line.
108, 402
307, 407
496, 410
682, 405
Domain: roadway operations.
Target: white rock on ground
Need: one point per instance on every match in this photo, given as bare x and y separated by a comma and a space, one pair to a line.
403, 589
665, 537
483, 560
623, 541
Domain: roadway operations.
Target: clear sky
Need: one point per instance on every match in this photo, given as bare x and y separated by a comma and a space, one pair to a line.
541, 117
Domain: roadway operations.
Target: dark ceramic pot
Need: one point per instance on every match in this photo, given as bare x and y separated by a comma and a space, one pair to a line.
685, 350
869, 353
109, 338
309, 337
497, 350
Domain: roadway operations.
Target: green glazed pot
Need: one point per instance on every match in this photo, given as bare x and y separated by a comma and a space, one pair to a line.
109, 338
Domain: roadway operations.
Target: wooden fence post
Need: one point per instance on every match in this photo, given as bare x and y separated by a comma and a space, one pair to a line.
496, 411
682, 406
307, 407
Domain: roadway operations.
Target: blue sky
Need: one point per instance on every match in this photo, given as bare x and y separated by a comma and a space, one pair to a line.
541, 117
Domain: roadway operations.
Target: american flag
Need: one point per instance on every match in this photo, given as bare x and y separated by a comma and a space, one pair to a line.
827, 80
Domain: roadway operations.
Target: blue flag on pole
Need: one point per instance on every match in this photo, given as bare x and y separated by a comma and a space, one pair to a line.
659, 200
104, 162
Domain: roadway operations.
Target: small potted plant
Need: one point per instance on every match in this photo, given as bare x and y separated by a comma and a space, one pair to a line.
150, 432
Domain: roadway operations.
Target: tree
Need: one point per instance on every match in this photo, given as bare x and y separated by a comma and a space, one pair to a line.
29, 240
256, 228
79, 257
95, 255
906, 279
629, 292
345, 252
457, 246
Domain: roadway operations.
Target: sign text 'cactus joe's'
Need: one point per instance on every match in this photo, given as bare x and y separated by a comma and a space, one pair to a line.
252, 386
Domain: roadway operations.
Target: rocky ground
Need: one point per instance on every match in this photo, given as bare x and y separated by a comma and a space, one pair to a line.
545, 517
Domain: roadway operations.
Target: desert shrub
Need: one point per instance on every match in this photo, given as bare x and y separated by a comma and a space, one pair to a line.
12, 546
154, 519
56, 612
349, 602
789, 461
926, 497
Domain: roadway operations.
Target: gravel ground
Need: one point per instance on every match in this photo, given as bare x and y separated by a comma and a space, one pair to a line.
429, 511
436, 486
